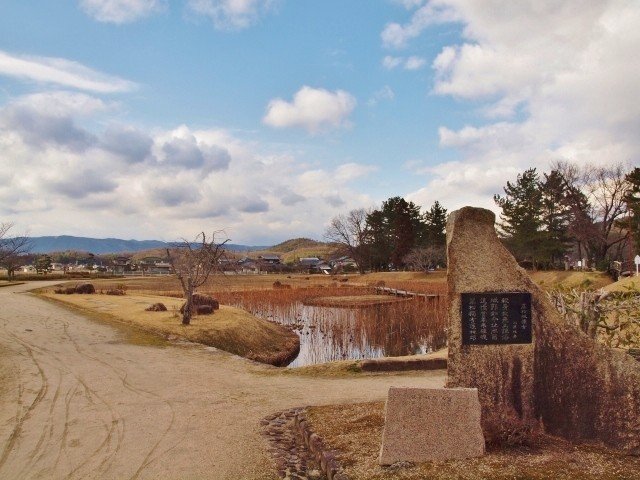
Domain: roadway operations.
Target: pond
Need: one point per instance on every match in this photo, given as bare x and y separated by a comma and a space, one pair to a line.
408, 327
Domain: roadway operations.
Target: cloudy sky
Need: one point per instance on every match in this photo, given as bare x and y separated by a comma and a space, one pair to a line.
157, 119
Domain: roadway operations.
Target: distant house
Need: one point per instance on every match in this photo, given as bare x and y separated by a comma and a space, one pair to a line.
154, 265
314, 265
270, 259
121, 265
309, 261
248, 265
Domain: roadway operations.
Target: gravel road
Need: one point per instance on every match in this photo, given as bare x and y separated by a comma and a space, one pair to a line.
78, 402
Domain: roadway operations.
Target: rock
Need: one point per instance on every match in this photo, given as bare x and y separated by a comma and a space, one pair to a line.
156, 307
427, 424
85, 288
563, 380
199, 299
204, 309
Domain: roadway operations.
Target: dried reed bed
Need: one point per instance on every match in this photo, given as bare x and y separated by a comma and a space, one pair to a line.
330, 333
417, 286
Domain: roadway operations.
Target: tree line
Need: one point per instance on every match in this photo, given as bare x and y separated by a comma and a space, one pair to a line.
591, 212
395, 236
584, 212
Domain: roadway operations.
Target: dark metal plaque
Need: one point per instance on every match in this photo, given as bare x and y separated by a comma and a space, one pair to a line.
496, 318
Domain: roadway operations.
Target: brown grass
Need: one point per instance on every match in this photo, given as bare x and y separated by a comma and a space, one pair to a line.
355, 431
398, 328
353, 301
570, 279
230, 329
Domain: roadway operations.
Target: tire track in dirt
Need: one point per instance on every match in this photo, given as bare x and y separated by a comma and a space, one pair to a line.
15, 434
170, 398
122, 375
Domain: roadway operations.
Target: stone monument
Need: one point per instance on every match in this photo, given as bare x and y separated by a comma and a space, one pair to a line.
532, 370
426, 424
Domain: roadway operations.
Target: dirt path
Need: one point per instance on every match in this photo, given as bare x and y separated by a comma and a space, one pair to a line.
77, 402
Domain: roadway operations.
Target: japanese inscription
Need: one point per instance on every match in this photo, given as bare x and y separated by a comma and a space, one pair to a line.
496, 318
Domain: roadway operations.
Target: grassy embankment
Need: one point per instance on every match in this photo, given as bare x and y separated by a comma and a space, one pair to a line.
230, 329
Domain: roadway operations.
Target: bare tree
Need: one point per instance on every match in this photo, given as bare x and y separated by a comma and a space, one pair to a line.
12, 249
350, 232
424, 258
193, 262
596, 196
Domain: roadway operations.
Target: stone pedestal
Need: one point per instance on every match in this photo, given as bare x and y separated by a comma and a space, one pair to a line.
426, 424
562, 381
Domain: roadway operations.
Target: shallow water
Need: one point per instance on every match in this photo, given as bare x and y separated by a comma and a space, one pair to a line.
332, 333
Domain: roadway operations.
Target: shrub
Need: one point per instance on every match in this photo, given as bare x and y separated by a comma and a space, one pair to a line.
85, 288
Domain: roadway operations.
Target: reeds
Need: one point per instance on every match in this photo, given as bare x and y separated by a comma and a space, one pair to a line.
331, 333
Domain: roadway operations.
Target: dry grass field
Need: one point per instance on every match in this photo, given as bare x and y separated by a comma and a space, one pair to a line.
355, 431
230, 329
570, 279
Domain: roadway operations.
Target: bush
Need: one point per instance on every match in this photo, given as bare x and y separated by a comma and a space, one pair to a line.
85, 288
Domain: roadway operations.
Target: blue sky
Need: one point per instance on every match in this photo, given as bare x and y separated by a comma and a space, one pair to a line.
158, 119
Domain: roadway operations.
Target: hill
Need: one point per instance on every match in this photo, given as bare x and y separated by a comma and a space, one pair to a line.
99, 246
296, 248
296, 244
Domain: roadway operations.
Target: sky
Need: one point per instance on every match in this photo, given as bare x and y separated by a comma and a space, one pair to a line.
157, 119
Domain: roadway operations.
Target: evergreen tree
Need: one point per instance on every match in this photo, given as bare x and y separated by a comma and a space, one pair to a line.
521, 216
43, 264
393, 231
436, 221
556, 217
379, 247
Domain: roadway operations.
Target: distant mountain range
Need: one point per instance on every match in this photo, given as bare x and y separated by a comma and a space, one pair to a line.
100, 246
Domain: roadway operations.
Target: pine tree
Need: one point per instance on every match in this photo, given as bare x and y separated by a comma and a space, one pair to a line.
436, 222
521, 216
556, 217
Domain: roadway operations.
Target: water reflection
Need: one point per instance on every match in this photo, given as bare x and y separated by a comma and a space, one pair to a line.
332, 333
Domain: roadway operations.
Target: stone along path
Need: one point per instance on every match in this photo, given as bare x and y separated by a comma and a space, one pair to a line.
78, 402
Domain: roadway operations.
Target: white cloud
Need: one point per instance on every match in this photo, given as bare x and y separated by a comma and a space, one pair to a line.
385, 93
314, 109
389, 62
553, 80
100, 178
396, 35
410, 63
60, 71
351, 171
121, 11
231, 14
414, 63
